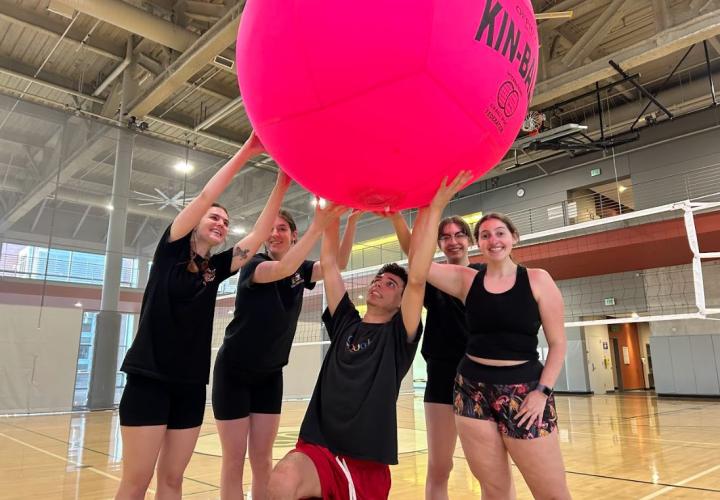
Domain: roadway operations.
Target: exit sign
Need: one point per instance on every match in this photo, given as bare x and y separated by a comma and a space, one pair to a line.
595, 172
610, 301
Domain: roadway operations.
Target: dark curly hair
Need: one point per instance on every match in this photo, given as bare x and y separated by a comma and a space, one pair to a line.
395, 269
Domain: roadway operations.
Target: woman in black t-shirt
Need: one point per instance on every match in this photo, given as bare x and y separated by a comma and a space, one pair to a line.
168, 364
247, 378
443, 347
503, 399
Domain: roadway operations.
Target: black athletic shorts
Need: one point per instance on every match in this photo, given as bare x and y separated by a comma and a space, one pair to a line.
440, 381
148, 401
237, 394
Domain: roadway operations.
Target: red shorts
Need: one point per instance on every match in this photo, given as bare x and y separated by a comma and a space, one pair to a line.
370, 479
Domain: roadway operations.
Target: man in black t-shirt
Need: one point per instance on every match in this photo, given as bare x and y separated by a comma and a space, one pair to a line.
349, 434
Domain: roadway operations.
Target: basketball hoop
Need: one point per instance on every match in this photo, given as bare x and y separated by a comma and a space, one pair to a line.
533, 122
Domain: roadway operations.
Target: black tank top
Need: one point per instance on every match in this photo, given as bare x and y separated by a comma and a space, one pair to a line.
503, 325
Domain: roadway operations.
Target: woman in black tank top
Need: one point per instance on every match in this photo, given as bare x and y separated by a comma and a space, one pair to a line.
503, 398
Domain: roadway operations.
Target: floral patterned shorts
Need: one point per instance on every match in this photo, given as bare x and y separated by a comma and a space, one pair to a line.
478, 394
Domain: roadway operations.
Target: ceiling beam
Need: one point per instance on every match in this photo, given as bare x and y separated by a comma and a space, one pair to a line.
86, 199
715, 44
85, 149
661, 14
51, 27
579, 8
212, 42
22, 71
139, 231
220, 114
33, 165
68, 90
595, 34
135, 20
660, 45
39, 213
82, 219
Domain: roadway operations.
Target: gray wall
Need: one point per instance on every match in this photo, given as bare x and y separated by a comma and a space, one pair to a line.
687, 146
686, 364
38, 358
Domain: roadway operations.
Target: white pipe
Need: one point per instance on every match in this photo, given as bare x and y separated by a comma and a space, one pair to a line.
112, 76
222, 113
136, 21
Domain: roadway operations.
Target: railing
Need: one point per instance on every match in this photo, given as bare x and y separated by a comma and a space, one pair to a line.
63, 270
625, 196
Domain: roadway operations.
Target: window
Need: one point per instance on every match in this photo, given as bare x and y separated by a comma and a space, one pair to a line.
32, 262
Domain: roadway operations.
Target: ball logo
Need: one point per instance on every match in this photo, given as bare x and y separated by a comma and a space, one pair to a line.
508, 98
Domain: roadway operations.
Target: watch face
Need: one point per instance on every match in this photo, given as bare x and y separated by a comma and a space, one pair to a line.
520, 192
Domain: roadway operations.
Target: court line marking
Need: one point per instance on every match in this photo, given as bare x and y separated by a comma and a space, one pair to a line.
680, 483
640, 481
704, 445
37, 433
66, 460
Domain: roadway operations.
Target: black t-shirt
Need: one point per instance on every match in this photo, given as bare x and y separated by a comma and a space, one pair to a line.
259, 337
446, 329
353, 407
176, 317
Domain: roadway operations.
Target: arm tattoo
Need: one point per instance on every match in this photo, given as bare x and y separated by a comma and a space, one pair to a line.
240, 252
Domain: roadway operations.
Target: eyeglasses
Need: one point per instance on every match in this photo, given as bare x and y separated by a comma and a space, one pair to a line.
457, 237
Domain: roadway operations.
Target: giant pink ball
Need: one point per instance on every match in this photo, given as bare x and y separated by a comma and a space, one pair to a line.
370, 104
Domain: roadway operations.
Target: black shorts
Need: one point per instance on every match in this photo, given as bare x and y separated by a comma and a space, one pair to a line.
148, 401
495, 393
237, 394
440, 381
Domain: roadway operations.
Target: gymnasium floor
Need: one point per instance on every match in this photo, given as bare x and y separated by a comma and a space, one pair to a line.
616, 446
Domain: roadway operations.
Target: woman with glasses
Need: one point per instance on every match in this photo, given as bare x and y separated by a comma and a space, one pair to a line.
443, 347
168, 364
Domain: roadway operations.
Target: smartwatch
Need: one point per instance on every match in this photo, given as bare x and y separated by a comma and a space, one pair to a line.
548, 391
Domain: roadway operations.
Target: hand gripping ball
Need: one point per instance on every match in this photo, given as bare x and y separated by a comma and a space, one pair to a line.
370, 104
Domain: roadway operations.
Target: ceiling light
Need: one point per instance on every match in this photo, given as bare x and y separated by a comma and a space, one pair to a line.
634, 315
238, 230
110, 207
622, 188
78, 304
183, 167
360, 297
314, 202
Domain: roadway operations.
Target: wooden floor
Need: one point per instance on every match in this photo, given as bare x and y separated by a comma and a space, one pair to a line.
627, 446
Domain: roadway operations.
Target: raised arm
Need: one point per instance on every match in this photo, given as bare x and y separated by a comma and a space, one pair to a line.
343, 255
269, 271
348, 239
422, 249
191, 215
402, 231
452, 279
552, 315
333, 282
248, 246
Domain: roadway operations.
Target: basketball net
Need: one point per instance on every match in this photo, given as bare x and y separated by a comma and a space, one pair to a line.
533, 123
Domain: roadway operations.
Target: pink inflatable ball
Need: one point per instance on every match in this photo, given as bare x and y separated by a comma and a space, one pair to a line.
370, 104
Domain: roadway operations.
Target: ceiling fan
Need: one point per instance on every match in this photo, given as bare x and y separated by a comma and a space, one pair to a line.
162, 200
